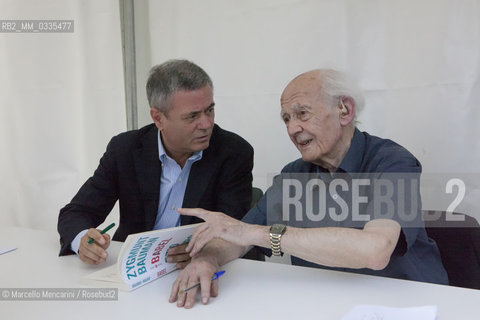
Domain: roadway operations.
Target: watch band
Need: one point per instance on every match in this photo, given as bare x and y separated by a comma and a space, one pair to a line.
276, 232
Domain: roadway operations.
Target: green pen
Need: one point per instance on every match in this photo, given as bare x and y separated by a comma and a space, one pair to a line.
110, 226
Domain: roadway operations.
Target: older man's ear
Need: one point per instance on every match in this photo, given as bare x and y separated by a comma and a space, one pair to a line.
347, 111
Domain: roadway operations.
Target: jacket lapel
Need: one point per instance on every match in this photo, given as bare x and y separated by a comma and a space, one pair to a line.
200, 176
197, 183
148, 169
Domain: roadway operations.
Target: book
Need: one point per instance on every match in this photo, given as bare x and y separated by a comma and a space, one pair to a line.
142, 258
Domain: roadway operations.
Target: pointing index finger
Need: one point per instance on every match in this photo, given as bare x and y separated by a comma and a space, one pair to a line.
195, 212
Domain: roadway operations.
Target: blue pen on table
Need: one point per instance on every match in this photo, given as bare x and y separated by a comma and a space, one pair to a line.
110, 226
216, 275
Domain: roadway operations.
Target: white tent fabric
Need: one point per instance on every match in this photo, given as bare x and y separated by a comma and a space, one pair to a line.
418, 62
62, 94
61, 99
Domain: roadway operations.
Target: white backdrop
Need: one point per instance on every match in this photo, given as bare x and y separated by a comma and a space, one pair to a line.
417, 60
61, 99
61, 95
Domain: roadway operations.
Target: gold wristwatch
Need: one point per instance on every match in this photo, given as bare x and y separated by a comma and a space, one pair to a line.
276, 232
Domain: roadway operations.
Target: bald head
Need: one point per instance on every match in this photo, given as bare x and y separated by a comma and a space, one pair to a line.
308, 83
318, 109
327, 85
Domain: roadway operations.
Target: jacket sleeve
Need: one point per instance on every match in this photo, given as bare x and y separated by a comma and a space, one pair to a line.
92, 203
234, 191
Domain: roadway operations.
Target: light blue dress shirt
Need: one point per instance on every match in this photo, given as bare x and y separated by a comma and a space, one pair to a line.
173, 183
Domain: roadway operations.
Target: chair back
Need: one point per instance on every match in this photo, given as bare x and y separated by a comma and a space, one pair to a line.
459, 245
257, 193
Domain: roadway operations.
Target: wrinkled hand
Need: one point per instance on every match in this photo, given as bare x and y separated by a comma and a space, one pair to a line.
94, 253
217, 225
179, 255
200, 270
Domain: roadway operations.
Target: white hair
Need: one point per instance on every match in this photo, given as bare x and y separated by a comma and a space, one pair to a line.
336, 85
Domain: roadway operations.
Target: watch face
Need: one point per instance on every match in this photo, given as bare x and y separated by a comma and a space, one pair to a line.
278, 228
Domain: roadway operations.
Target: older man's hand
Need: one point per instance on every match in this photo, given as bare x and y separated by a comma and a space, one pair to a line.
200, 270
217, 225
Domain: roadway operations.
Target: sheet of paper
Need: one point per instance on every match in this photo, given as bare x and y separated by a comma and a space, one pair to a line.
368, 312
6, 249
106, 274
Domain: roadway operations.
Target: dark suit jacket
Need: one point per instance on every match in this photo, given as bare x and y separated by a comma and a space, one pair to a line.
130, 171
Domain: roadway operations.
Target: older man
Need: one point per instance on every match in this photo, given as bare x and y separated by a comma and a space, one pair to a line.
387, 239
182, 159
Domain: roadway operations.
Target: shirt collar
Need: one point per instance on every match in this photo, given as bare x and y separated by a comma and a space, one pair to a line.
352, 161
162, 155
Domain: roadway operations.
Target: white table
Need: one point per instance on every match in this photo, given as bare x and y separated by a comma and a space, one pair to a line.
248, 289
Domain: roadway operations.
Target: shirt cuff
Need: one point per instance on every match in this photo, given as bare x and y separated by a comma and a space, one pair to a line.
75, 245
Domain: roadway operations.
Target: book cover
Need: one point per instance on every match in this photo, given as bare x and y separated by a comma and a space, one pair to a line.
143, 258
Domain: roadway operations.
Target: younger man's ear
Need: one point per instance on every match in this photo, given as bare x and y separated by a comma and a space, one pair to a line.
157, 117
